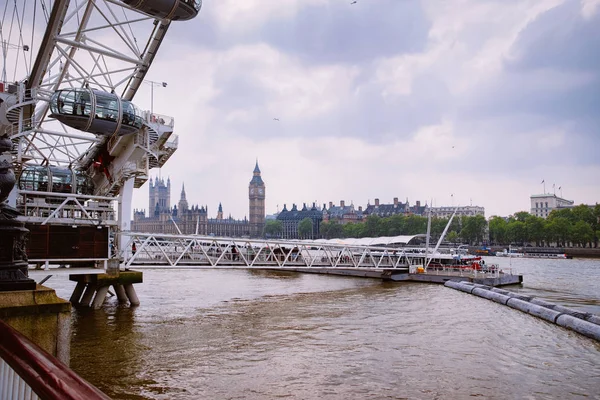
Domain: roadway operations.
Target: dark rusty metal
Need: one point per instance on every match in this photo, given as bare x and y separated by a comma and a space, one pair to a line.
13, 234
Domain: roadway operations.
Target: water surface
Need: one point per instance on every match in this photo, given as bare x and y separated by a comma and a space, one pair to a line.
235, 334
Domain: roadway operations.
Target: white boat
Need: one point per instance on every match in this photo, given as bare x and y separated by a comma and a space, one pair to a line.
509, 253
561, 256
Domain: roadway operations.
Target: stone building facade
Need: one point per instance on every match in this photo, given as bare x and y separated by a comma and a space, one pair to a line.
543, 204
290, 220
166, 219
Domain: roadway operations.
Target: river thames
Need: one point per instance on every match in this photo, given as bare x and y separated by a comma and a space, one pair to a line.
236, 334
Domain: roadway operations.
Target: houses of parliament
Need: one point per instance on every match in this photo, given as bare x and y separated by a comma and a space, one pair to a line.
162, 218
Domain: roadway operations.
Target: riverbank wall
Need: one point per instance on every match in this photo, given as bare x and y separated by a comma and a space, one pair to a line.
572, 252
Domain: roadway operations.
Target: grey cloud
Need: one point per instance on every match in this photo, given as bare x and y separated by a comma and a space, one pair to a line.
336, 33
351, 33
554, 83
368, 114
561, 39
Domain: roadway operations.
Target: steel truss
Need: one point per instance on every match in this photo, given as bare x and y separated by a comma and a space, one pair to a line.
207, 251
103, 44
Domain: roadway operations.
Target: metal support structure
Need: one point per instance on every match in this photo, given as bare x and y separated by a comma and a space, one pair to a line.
208, 251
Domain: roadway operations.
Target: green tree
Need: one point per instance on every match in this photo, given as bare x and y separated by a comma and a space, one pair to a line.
558, 230
521, 216
372, 226
305, 228
353, 230
498, 230
516, 232
473, 229
582, 233
561, 213
273, 228
414, 225
535, 227
331, 229
452, 237
583, 213
396, 225
438, 225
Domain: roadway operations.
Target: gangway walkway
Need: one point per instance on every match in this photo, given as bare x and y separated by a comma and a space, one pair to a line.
146, 249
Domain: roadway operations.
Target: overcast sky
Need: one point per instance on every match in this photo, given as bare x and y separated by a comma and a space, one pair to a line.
463, 102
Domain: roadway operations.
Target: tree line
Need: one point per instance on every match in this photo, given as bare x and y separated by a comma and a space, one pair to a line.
577, 226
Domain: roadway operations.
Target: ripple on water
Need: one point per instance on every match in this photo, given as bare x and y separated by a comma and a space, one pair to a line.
231, 334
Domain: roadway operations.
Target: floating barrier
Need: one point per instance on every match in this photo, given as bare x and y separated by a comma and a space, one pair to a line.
581, 322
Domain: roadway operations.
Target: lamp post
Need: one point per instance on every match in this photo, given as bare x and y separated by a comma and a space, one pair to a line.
152, 84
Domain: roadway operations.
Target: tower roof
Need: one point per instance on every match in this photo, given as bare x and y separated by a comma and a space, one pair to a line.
256, 179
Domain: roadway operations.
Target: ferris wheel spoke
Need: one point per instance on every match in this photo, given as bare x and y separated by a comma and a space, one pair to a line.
69, 108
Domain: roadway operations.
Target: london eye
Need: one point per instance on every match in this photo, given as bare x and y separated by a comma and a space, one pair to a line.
70, 71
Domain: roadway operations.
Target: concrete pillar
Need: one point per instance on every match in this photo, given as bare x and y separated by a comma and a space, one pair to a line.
41, 316
124, 215
100, 296
88, 295
133, 299
77, 292
120, 291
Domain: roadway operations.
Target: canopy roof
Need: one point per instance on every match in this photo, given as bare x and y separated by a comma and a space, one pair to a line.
369, 241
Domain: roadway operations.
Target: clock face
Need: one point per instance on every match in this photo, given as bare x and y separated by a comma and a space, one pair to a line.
252, 191
260, 191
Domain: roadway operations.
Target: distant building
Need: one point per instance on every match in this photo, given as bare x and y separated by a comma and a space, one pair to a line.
387, 210
256, 194
543, 204
290, 219
466, 211
164, 219
342, 214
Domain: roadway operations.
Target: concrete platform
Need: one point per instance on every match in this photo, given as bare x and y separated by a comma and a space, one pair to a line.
39, 274
489, 280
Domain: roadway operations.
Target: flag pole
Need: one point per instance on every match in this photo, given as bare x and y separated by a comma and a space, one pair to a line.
544, 183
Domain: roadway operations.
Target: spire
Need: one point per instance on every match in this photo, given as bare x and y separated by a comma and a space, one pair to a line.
220, 212
256, 169
256, 179
183, 191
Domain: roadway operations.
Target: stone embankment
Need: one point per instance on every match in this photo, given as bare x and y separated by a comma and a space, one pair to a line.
576, 252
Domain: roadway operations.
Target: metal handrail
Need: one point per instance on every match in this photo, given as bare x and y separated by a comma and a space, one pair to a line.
44, 374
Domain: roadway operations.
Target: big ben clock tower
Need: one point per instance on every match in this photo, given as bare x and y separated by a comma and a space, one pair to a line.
256, 194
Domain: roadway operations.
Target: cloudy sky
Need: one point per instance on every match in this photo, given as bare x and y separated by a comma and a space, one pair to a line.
463, 102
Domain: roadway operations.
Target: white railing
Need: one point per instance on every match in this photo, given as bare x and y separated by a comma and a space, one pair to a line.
27, 372
12, 386
67, 207
178, 250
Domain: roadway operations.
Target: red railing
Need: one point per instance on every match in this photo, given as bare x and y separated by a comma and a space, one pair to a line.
44, 374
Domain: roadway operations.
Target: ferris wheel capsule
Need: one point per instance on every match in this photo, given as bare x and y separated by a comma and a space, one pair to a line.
95, 111
167, 9
41, 178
